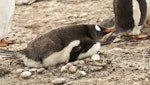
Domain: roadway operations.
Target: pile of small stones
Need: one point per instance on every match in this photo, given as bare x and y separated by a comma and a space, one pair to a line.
26, 72
77, 69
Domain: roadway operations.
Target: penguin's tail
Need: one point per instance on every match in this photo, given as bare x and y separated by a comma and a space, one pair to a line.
5, 52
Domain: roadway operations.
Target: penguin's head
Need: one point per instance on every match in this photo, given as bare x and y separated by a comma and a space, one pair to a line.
99, 32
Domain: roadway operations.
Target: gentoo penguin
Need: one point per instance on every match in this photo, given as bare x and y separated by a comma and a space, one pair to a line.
130, 15
6, 14
65, 44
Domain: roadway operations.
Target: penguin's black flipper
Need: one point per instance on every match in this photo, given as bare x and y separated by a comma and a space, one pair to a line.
75, 53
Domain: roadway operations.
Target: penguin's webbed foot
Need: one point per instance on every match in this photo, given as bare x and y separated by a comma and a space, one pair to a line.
4, 42
141, 36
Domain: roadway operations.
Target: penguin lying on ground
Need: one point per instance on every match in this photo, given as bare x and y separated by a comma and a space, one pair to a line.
66, 44
130, 15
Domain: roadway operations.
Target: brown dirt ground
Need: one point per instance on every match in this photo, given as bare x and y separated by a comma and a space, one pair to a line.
129, 59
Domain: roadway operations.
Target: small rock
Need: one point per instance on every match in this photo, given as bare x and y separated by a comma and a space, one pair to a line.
1, 58
72, 69
135, 83
26, 68
58, 81
68, 65
83, 14
63, 69
76, 63
83, 73
116, 49
95, 68
19, 71
80, 74
26, 74
146, 79
95, 57
40, 70
85, 68
117, 40
81, 62
33, 70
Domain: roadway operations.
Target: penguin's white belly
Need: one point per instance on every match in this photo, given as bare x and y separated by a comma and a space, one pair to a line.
93, 50
6, 13
148, 10
136, 18
53, 59
62, 56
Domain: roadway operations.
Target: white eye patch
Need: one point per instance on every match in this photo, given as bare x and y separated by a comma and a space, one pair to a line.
97, 28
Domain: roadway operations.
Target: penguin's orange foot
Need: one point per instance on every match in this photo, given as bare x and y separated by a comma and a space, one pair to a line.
5, 42
8, 41
138, 37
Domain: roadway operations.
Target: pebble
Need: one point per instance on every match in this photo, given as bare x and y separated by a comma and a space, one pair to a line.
1, 58
83, 14
83, 73
117, 40
26, 74
68, 65
80, 74
95, 68
95, 57
116, 49
81, 62
146, 79
72, 69
33, 70
63, 69
19, 71
40, 70
58, 81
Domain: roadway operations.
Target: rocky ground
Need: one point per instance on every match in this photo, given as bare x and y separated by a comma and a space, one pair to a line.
121, 63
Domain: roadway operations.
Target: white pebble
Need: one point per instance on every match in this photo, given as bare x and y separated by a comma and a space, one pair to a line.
1, 58
83, 73
72, 69
146, 79
116, 40
80, 74
19, 70
58, 81
81, 62
33, 70
69, 65
76, 62
40, 70
95, 57
25, 74
63, 69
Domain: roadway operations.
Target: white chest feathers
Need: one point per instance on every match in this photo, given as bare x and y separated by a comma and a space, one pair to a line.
61, 56
148, 10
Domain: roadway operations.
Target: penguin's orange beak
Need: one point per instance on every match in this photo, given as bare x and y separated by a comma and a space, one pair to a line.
109, 30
